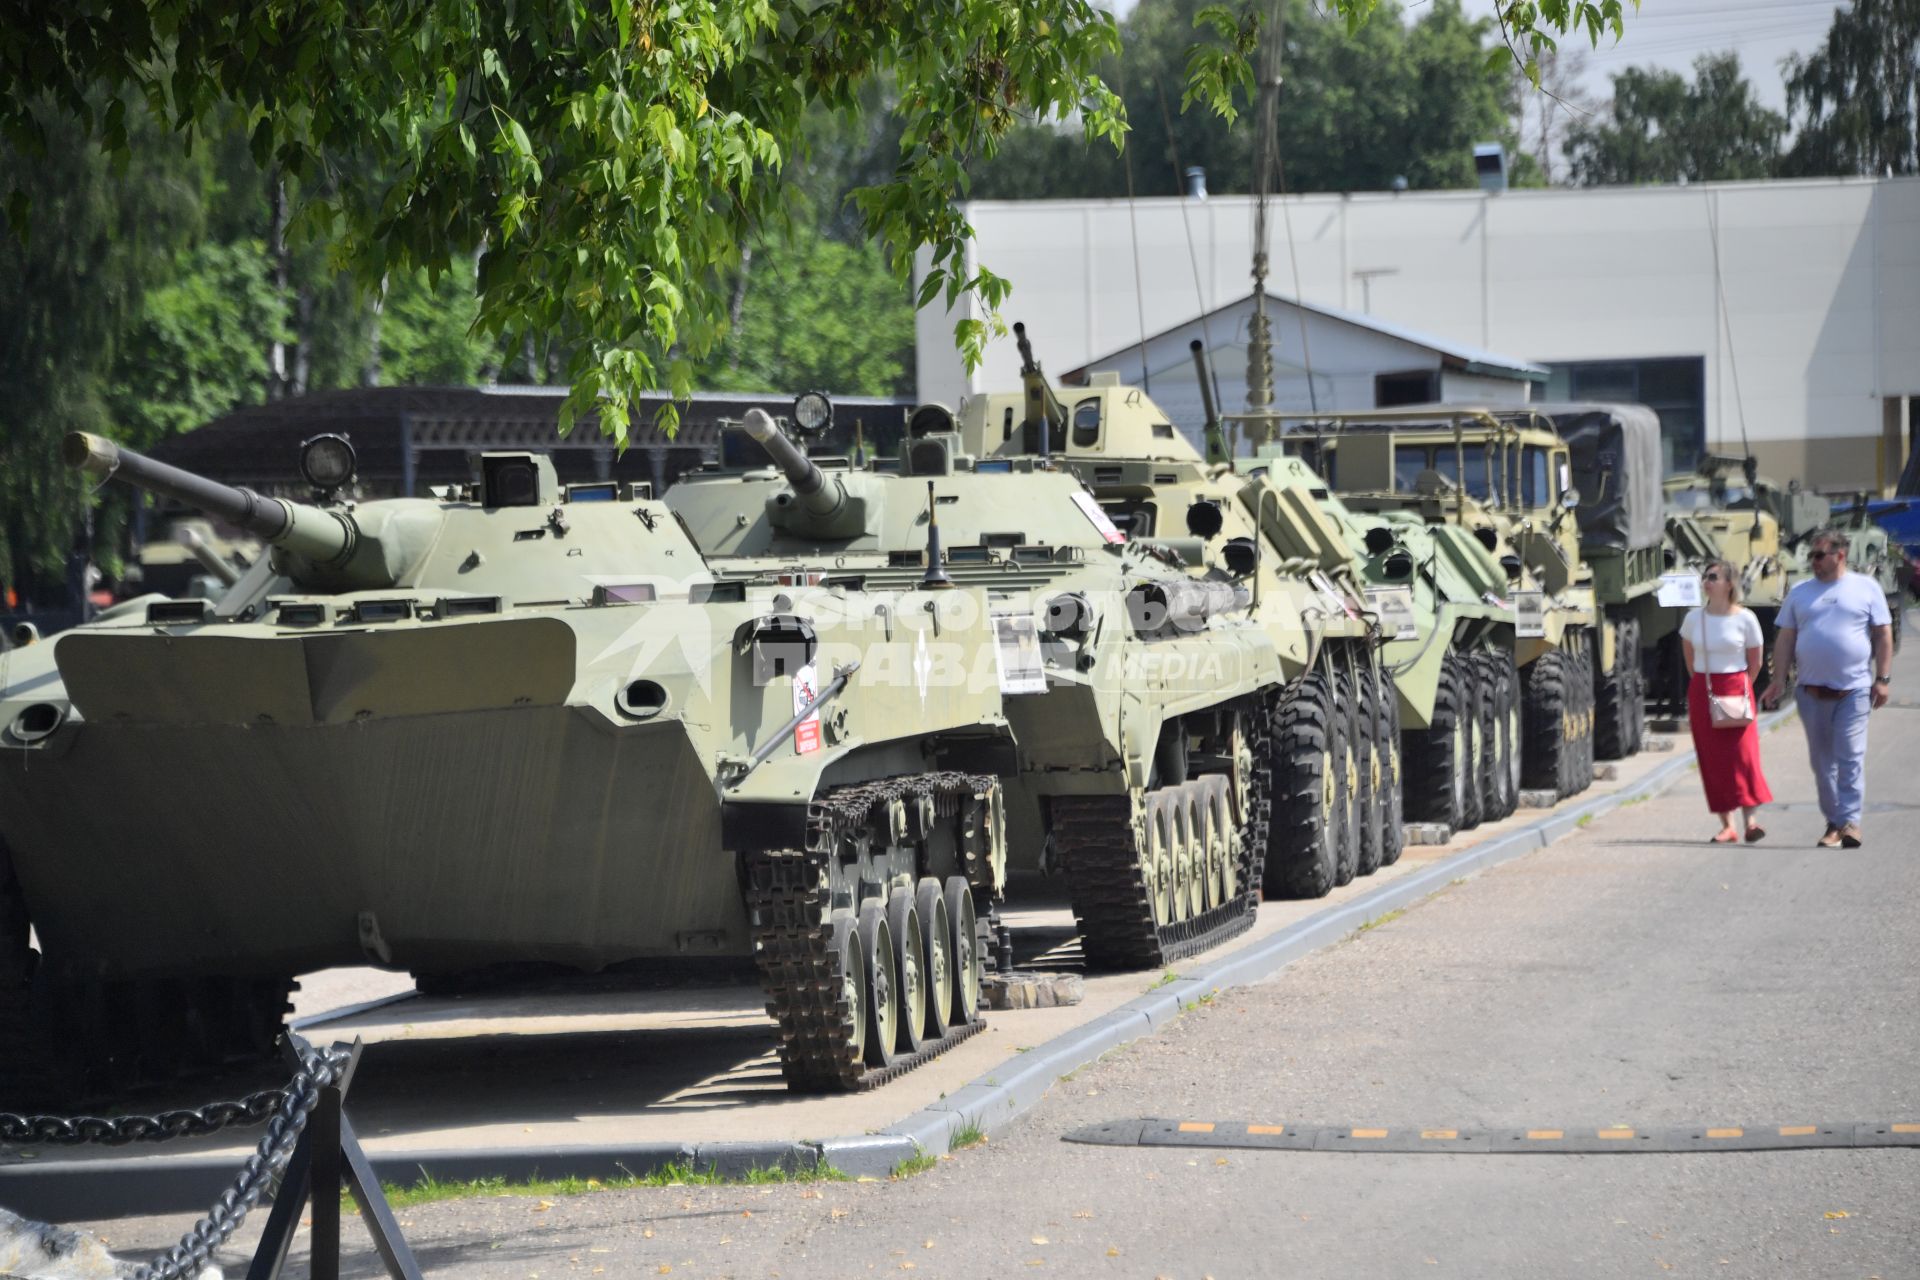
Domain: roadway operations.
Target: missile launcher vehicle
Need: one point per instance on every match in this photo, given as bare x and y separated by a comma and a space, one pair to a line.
1141, 696
513, 724
1336, 754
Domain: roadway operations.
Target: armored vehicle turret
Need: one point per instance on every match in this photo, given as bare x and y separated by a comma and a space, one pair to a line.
517, 723
1136, 690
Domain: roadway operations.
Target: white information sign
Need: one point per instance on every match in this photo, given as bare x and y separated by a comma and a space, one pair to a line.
1091, 509
1679, 590
1395, 607
1529, 615
1017, 654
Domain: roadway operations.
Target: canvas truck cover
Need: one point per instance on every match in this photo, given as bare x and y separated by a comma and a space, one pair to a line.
1618, 466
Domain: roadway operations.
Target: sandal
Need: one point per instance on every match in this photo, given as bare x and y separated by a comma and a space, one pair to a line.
1729, 836
1755, 833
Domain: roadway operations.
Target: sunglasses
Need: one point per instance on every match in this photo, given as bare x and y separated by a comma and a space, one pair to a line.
1712, 577
1821, 555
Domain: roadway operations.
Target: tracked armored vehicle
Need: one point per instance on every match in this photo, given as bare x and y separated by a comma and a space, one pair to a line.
514, 724
1335, 752
1140, 696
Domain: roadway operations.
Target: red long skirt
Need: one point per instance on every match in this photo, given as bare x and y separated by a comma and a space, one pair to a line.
1729, 758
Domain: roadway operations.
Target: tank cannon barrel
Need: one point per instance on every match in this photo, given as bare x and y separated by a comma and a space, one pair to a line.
809, 483
317, 535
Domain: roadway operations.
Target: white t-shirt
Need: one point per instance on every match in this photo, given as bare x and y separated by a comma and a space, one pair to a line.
1728, 636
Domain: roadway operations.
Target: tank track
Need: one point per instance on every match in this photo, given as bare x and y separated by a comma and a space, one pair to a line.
790, 907
1096, 840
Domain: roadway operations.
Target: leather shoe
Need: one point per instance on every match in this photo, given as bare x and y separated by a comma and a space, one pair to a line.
1831, 840
1850, 836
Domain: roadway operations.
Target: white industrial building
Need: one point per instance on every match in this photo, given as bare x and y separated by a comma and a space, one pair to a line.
1803, 320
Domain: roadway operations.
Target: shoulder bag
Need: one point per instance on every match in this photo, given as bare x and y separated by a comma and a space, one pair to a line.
1726, 710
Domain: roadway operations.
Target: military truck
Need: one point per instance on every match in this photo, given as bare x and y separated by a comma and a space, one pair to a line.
515, 723
1139, 696
1340, 814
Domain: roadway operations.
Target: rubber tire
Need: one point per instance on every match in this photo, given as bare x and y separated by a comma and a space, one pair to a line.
1613, 701
1507, 679
1347, 783
1543, 724
883, 1002
1302, 840
1433, 793
936, 935
1374, 790
967, 966
1393, 798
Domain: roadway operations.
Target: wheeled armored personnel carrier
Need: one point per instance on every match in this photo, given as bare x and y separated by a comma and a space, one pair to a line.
516, 723
1506, 478
1337, 756
1139, 695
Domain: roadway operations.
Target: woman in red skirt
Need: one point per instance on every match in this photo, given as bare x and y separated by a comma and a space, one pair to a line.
1722, 643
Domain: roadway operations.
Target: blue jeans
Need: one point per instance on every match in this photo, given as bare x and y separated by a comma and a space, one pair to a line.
1837, 747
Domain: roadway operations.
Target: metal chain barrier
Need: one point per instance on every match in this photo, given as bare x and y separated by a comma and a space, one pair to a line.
318, 1068
285, 1110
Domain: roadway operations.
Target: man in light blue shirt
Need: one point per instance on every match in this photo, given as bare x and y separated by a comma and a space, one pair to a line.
1835, 628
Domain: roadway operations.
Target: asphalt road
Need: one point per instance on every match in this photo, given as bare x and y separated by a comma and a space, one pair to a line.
1628, 975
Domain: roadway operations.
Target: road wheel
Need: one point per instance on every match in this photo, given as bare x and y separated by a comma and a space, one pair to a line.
1192, 861
1159, 857
1222, 836
883, 1003
936, 937
965, 951
1546, 724
855, 1006
1302, 839
910, 967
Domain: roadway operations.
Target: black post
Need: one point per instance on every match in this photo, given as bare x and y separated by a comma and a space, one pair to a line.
327, 1158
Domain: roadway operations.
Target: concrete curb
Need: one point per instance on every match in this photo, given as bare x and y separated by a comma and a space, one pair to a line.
99, 1189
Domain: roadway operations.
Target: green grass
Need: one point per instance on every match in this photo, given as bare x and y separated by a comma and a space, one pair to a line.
1165, 978
1586, 820
1379, 920
917, 1163
429, 1189
967, 1135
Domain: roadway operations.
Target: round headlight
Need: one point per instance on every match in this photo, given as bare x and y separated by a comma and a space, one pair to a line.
812, 413
327, 461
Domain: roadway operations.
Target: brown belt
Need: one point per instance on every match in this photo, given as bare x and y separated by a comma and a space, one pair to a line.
1826, 694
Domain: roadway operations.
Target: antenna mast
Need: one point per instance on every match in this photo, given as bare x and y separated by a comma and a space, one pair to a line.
1260, 328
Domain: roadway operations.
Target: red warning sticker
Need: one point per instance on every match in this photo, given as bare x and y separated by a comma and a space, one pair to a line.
806, 687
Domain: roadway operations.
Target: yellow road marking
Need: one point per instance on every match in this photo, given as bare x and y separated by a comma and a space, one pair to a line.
1368, 1133
1906, 1128
1797, 1130
1726, 1133
1439, 1133
1196, 1126
1273, 1130
1614, 1133
1542, 1135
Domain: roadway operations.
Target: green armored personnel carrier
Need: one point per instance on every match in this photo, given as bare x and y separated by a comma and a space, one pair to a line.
1336, 755
1140, 696
1506, 479
516, 723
